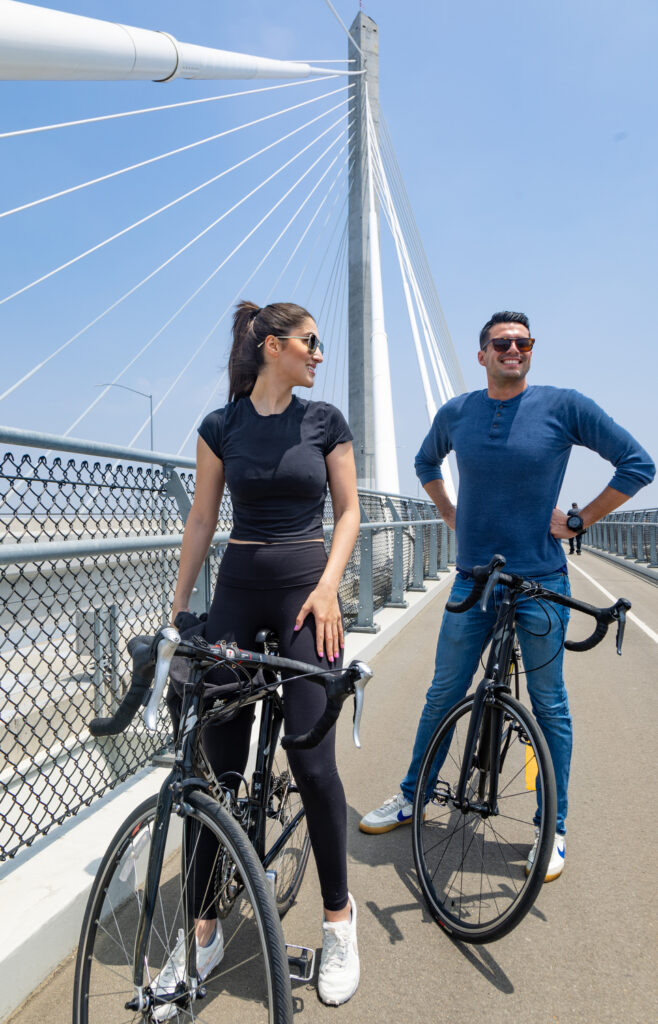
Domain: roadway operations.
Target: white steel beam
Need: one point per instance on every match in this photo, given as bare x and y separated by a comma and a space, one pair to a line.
41, 44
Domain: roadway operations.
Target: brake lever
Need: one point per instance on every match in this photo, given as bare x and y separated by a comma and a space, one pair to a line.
170, 639
488, 590
365, 673
621, 625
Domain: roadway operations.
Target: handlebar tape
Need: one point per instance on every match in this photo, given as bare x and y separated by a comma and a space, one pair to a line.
468, 602
590, 641
314, 735
141, 649
338, 689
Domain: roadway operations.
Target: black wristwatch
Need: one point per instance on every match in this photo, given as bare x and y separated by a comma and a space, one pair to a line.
575, 523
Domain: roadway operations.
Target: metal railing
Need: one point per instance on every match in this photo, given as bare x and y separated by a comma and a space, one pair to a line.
89, 551
630, 535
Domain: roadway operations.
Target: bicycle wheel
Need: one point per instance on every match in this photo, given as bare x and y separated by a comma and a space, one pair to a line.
287, 842
250, 983
472, 868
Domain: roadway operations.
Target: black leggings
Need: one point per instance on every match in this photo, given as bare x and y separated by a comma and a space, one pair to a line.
255, 590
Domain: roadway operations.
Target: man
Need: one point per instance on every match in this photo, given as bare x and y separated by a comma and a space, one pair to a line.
512, 444
575, 511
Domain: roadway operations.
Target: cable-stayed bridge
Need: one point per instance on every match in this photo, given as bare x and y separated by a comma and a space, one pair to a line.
167, 227
121, 265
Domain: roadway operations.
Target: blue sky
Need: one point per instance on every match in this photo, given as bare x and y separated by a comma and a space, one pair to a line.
526, 134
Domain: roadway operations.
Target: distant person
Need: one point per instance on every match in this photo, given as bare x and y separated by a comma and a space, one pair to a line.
277, 454
512, 443
575, 511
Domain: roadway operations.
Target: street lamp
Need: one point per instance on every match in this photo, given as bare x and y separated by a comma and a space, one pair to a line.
145, 394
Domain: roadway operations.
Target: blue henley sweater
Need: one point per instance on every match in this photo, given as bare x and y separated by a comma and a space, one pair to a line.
512, 456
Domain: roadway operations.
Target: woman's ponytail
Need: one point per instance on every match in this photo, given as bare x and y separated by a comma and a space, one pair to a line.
251, 326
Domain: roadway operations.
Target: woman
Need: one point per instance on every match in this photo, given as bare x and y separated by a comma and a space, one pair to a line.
277, 453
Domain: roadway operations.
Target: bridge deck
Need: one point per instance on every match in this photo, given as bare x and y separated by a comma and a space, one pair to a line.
586, 952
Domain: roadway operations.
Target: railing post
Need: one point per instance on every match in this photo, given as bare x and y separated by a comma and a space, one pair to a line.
443, 564
202, 591
397, 579
433, 568
419, 552
365, 622
653, 545
629, 540
641, 557
452, 546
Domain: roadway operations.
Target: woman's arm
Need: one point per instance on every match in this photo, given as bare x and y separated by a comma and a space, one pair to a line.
201, 523
322, 603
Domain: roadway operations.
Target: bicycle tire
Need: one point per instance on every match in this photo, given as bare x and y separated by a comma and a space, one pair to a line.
250, 983
286, 832
472, 870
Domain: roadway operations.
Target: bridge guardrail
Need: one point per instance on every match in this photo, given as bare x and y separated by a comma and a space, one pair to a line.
631, 535
89, 552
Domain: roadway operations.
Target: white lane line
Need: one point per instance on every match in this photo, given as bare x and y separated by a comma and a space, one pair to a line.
638, 622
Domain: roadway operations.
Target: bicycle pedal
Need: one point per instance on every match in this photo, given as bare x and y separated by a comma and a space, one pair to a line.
301, 962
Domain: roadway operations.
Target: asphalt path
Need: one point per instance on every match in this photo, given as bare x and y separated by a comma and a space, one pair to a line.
586, 952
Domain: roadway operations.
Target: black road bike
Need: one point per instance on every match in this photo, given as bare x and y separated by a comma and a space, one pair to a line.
140, 913
474, 817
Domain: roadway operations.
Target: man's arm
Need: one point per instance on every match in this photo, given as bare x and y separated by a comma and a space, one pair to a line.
607, 501
439, 495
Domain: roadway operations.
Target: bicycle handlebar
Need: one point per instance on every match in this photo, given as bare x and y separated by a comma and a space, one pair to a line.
152, 659
486, 577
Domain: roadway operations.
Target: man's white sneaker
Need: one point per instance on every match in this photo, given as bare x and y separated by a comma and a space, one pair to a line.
555, 864
394, 812
339, 974
173, 972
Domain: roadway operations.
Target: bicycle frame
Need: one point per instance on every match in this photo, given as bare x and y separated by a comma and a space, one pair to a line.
478, 755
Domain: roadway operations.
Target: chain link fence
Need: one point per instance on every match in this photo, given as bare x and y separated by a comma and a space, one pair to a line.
89, 549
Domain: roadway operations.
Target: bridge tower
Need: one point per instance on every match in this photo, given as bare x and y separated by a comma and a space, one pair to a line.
370, 403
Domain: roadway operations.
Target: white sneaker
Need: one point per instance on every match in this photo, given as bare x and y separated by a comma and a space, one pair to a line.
555, 864
173, 972
393, 812
339, 974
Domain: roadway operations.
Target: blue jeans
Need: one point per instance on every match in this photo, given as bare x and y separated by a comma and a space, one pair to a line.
540, 631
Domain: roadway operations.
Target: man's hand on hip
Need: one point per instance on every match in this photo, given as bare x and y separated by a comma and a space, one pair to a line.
559, 526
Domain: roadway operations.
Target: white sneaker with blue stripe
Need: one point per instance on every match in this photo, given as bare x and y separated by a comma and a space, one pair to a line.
555, 864
394, 812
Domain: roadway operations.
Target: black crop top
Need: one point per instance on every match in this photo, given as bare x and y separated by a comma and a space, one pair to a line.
274, 465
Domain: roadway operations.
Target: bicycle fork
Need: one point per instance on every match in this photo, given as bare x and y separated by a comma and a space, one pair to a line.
170, 798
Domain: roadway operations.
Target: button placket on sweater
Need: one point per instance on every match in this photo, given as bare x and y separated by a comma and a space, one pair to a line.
497, 422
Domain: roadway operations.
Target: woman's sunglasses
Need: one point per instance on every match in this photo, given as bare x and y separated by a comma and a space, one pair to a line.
504, 344
313, 343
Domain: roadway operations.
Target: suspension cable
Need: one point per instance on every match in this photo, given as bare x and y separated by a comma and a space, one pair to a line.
187, 245
165, 106
156, 159
254, 272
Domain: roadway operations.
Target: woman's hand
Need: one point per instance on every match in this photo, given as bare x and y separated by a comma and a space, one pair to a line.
322, 604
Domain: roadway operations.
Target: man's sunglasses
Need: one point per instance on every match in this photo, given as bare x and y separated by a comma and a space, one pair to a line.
504, 344
313, 343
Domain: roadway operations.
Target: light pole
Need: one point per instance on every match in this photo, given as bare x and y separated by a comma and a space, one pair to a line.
145, 394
